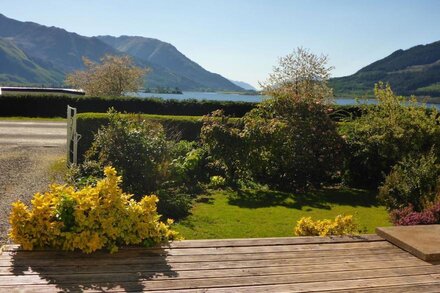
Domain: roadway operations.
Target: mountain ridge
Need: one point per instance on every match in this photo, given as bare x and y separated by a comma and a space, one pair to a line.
414, 71
58, 52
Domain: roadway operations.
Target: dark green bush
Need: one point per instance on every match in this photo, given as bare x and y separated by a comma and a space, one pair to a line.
173, 204
414, 181
55, 105
294, 145
176, 127
386, 133
138, 150
285, 143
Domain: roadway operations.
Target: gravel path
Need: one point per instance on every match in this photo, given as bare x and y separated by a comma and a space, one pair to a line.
24, 167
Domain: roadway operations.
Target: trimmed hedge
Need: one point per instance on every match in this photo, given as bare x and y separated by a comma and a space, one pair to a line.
183, 127
56, 105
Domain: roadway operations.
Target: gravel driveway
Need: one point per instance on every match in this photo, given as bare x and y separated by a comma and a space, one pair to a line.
27, 151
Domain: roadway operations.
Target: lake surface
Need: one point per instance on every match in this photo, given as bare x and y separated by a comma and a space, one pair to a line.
238, 97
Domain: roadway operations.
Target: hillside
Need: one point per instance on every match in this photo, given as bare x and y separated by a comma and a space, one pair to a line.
244, 85
167, 56
17, 67
415, 71
33, 53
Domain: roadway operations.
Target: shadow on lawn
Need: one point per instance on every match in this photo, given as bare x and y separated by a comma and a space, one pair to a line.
127, 270
321, 199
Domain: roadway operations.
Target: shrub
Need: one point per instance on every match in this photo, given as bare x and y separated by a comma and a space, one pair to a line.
88, 219
217, 182
413, 181
187, 170
175, 127
293, 144
342, 225
286, 143
174, 203
384, 134
137, 149
225, 145
407, 216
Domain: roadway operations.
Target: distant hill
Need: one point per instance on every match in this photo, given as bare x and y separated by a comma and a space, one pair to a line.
31, 53
244, 85
415, 71
167, 56
16, 67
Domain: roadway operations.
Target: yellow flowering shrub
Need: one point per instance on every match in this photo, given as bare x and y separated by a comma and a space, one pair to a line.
92, 218
341, 225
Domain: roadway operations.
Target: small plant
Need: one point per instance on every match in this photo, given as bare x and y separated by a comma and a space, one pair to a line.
341, 225
407, 216
92, 218
217, 182
414, 181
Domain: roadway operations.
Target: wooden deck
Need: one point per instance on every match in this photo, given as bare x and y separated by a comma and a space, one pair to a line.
361, 264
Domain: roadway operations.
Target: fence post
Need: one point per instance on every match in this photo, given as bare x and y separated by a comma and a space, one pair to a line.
72, 136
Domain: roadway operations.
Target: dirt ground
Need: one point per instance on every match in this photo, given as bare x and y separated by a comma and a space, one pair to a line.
24, 170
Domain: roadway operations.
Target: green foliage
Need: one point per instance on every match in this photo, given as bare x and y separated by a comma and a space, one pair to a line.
386, 133
173, 203
188, 169
414, 181
293, 145
286, 143
217, 182
150, 161
175, 127
137, 149
64, 212
226, 146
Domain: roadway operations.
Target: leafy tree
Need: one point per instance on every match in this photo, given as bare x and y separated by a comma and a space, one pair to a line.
386, 133
114, 76
300, 75
288, 141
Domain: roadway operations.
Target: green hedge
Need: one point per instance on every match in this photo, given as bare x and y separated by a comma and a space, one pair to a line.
56, 105
183, 127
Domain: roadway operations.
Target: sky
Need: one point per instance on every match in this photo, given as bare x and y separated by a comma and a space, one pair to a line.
243, 39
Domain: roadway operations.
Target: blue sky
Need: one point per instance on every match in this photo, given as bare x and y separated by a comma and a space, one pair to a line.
242, 39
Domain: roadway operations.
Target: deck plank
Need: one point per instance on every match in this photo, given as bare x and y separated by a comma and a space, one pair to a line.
232, 265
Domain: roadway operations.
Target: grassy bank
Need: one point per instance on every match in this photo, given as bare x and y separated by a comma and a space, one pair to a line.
225, 214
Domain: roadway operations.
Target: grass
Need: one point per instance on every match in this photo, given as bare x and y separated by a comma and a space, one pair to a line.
256, 213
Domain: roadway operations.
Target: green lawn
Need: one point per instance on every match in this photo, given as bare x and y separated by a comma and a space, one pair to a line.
225, 214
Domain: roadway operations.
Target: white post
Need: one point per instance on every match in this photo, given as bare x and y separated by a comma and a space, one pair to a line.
72, 136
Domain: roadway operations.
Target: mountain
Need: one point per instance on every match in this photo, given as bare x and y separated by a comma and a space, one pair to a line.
243, 85
31, 53
415, 71
167, 56
53, 47
16, 67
